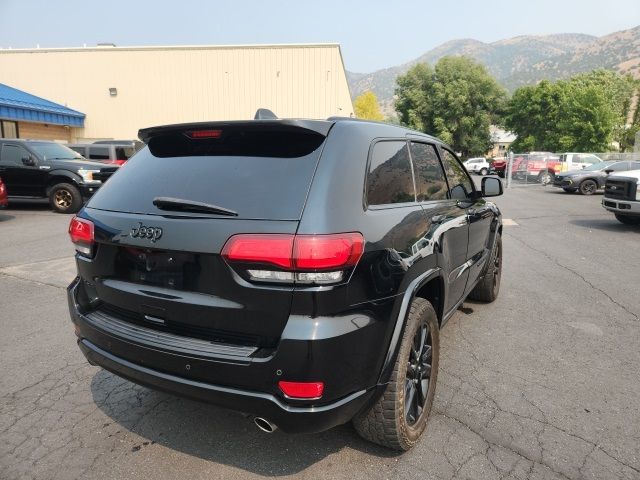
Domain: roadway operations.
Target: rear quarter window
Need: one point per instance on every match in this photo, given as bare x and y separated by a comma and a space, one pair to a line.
389, 178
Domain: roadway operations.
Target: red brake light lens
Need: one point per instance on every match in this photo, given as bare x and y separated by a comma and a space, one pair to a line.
196, 134
82, 235
269, 249
306, 390
324, 252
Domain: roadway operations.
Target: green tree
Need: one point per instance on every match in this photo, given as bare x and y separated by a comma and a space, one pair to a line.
584, 113
366, 107
457, 101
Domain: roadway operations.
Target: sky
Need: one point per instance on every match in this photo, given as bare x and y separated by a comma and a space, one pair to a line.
373, 34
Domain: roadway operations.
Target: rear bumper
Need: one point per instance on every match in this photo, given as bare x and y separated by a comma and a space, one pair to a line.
241, 384
290, 419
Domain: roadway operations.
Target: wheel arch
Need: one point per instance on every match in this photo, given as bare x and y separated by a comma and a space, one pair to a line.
429, 285
62, 176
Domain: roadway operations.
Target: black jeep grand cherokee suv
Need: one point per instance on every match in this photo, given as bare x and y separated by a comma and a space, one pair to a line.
43, 169
295, 270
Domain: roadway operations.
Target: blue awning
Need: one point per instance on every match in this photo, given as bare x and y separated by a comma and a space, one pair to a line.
18, 105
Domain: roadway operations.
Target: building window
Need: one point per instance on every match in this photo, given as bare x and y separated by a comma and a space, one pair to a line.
8, 129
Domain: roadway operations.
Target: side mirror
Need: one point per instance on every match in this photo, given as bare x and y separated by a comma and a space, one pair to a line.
608, 171
29, 161
491, 187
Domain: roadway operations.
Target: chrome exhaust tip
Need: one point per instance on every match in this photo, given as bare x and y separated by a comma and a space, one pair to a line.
264, 425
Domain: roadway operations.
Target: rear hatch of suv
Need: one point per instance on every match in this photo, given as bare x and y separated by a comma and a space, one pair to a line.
161, 222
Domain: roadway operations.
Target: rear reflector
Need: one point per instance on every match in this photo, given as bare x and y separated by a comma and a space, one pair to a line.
204, 134
307, 390
82, 235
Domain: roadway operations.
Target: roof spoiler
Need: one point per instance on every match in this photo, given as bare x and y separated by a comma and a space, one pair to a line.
221, 128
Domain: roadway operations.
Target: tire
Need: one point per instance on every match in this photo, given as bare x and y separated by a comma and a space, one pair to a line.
501, 174
483, 172
588, 187
545, 177
628, 219
488, 288
388, 422
65, 198
569, 190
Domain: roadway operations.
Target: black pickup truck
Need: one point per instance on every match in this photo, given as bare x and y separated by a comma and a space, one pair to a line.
43, 169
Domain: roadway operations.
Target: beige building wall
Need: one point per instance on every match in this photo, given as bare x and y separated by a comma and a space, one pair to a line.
160, 85
43, 131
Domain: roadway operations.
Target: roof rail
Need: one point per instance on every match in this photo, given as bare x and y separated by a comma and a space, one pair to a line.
265, 114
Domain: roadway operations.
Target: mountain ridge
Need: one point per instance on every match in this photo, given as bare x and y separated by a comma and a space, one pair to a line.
520, 60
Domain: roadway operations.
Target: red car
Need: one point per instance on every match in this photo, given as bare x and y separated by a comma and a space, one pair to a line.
4, 198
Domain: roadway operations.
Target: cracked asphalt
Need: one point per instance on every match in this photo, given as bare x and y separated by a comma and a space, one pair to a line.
542, 384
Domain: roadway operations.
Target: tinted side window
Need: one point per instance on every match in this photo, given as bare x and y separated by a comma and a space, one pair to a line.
13, 154
390, 180
81, 150
430, 180
635, 166
99, 153
123, 153
460, 186
619, 167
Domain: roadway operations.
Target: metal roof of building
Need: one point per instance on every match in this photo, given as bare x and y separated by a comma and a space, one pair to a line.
18, 105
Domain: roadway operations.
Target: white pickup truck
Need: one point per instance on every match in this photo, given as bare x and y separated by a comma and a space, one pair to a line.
622, 196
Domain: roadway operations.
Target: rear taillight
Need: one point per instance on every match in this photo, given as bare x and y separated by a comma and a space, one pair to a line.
309, 259
305, 390
82, 235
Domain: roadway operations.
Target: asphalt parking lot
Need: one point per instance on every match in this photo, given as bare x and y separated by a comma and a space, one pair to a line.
541, 384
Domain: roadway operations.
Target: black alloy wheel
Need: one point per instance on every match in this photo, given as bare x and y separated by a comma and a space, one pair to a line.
588, 187
418, 374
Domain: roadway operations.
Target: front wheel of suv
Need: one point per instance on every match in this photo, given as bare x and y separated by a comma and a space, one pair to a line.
399, 416
588, 187
65, 198
488, 287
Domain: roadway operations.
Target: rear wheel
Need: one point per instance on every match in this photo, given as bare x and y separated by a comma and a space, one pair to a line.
399, 417
488, 288
501, 174
628, 219
65, 198
545, 177
588, 187
483, 172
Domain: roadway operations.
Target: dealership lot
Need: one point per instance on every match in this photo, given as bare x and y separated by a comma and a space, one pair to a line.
543, 383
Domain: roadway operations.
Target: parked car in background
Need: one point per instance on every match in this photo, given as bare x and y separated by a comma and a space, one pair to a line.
622, 196
577, 161
540, 167
43, 169
478, 165
589, 180
4, 198
286, 300
110, 153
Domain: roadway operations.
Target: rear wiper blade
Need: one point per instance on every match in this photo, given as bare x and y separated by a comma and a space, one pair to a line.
169, 203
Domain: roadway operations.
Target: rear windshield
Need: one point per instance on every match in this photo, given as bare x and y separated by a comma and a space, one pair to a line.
259, 176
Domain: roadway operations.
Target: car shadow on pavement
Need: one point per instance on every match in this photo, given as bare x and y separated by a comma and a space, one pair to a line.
215, 434
607, 224
4, 217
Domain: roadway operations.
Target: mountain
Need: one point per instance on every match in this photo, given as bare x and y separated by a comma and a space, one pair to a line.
518, 61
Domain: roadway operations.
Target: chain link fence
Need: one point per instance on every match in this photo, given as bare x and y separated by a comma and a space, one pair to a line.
541, 168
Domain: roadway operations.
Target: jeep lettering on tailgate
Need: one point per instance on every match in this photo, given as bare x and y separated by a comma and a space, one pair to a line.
152, 233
